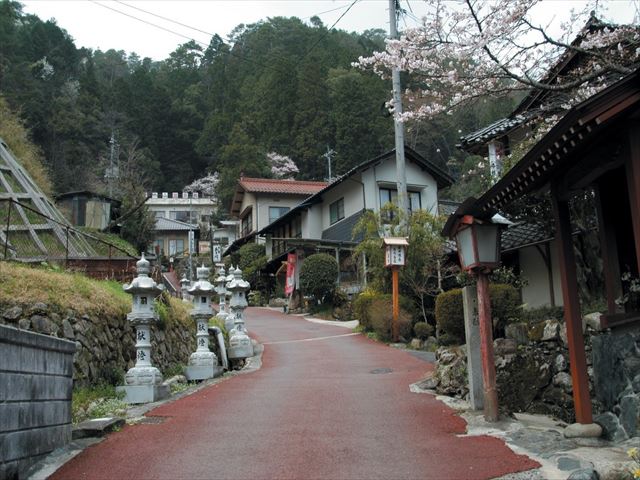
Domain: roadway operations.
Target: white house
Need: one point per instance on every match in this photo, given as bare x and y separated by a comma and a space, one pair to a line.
324, 221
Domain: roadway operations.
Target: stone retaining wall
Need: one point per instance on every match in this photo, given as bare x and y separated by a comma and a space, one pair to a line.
35, 398
105, 345
533, 375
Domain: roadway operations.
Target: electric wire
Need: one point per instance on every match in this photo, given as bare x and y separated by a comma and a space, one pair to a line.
228, 52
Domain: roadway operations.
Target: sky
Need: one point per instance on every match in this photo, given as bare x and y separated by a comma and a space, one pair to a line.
126, 25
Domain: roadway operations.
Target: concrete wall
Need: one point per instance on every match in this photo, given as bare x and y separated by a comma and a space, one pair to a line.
353, 201
35, 398
274, 200
384, 175
534, 270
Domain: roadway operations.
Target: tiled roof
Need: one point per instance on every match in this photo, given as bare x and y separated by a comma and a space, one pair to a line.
173, 225
269, 185
501, 127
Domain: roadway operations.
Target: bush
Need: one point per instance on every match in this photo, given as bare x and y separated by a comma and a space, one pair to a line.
535, 315
318, 276
505, 308
381, 316
423, 330
362, 305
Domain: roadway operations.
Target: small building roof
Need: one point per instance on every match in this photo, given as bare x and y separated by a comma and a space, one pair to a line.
270, 185
87, 193
301, 188
167, 224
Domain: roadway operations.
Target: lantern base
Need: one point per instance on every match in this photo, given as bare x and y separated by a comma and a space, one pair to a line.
194, 372
144, 393
143, 376
240, 346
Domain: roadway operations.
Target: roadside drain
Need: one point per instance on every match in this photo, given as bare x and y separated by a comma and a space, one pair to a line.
152, 420
381, 370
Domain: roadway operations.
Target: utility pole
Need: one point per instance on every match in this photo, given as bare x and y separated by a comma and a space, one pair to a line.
328, 156
401, 174
112, 155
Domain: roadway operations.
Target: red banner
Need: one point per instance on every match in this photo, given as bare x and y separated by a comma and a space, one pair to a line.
291, 274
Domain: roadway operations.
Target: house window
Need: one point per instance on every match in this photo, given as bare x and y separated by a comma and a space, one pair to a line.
276, 212
336, 211
181, 215
176, 247
159, 214
246, 226
391, 195
158, 246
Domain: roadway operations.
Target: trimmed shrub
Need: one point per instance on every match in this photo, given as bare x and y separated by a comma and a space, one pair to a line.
381, 316
362, 305
450, 314
423, 330
505, 307
318, 276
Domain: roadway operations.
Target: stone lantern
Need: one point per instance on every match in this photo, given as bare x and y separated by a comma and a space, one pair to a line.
203, 363
228, 321
184, 286
143, 382
239, 342
221, 280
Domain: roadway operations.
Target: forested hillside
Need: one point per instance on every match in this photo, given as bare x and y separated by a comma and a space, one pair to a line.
279, 85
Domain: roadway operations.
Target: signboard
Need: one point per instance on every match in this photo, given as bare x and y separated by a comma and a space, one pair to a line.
203, 246
289, 286
217, 253
394, 255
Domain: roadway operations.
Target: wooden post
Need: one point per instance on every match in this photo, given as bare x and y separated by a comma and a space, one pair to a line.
572, 314
395, 335
633, 183
486, 349
609, 251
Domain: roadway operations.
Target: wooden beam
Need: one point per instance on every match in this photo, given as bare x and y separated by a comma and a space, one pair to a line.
633, 182
608, 249
572, 313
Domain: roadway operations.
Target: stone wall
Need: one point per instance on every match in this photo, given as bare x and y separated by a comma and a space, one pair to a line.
105, 345
532, 374
616, 376
35, 398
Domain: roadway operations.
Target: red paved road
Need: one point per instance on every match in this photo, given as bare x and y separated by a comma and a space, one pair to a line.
313, 411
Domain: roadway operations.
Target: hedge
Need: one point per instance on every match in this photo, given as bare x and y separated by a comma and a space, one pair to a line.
318, 276
505, 308
362, 304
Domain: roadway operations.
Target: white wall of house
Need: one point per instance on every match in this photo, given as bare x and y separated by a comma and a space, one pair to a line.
353, 201
263, 202
384, 175
312, 222
534, 270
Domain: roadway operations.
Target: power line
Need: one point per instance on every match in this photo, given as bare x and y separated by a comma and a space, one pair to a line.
148, 23
167, 19
327, 32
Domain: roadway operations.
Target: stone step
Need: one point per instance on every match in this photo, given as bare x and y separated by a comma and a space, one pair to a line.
96, 427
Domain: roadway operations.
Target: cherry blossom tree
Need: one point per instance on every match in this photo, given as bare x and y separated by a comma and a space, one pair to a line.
478, 48
207, 185
281, 165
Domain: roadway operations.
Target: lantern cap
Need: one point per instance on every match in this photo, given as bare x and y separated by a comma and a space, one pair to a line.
468, 212
143, 267
397, 241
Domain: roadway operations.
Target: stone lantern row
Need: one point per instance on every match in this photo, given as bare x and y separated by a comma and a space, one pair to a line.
143, 382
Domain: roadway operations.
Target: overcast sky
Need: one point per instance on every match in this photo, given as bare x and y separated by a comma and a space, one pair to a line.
120, 25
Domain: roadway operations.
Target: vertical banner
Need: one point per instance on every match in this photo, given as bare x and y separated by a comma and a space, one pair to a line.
291, 274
